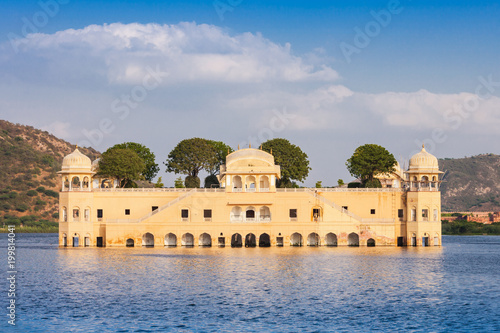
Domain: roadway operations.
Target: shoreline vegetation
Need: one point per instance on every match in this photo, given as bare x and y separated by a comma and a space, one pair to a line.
465, 228
28, 224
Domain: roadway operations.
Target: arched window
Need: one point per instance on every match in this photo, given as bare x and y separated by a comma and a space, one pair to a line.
86, 214
237, 185
435, 215
235, 215
265, 214
76, 214
75, 183
86, 182
250, 214
413, 216
264, 184
316, 214
64, 214
425, 214
250, 184
66, 184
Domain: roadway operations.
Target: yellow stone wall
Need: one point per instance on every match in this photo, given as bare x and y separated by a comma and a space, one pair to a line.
351, 216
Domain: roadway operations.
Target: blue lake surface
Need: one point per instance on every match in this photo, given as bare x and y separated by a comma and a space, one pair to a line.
454, 288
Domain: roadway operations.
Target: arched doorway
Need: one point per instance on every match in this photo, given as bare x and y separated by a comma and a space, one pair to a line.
264, 240
436, 240
250, 240
170, 240
187, 240
76, 240
313, 239
370, 242
331, 239
413, 239
148, 240
236, 240
64, 240
353, 239
129, 242
425, 240
296, 239
205, 240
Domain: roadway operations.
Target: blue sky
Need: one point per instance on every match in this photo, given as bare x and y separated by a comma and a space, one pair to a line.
227, 76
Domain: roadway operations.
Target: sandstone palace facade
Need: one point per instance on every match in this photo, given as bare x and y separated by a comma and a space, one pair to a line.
248, 209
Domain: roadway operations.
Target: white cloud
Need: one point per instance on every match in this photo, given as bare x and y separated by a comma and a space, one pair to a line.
189, 52
221, 86
59, 129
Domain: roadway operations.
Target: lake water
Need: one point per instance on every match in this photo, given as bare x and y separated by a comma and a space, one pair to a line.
452, 288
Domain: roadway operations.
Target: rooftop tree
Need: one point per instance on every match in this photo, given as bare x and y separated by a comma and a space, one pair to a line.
122, 164
369, 160
291, 159
190, 156
151, 168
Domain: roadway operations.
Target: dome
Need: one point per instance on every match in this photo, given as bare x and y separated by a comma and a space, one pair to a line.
250, 156
76, 160
424, 161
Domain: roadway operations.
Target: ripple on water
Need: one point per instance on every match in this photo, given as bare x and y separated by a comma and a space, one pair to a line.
454, 288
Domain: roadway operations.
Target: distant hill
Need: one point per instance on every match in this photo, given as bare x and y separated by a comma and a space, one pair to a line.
29, 185
471, 183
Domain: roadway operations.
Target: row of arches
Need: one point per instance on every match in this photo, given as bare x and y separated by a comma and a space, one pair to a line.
76, 215
250, 214
76, 183
249, 240
425, 214
250, 183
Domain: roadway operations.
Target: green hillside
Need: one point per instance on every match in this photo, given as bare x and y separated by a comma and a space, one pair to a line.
471, 183
29, 184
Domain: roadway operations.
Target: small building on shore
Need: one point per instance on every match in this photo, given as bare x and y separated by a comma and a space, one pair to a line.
249, 210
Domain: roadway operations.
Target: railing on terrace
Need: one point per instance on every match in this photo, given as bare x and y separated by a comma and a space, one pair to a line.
264, 189
357, 189
142, 189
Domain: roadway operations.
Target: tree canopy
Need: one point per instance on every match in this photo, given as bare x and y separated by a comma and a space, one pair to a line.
221, 151
151, 168
369, 160
122, 164
292, 160
190, 156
